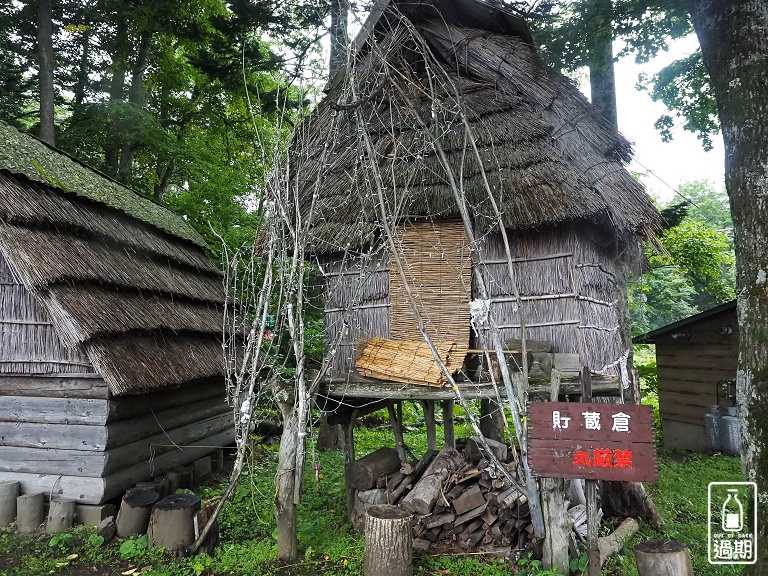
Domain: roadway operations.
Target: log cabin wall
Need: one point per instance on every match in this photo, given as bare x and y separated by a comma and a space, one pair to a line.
688, 372
67, 436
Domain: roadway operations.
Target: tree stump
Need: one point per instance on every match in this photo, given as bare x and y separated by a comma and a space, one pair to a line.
667, 557
9, 491
61, 514
172, 481
388, 542
363, 473
30, 512
133, 516
364, 499
172, 523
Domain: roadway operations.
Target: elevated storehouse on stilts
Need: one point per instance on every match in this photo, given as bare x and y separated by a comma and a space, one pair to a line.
111, 369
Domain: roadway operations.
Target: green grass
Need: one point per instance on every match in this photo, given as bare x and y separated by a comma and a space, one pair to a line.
328, 546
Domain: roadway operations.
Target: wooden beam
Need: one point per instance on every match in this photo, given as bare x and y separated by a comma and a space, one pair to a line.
429, 419
349, 457
449, 432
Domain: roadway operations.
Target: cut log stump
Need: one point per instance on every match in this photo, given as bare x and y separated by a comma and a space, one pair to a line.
363, 473
172, 523
668, 557
30, 512
388, 542
61, 515
364, 499
9, 491
133, 516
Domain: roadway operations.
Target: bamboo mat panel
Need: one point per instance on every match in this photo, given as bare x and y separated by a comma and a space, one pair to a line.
408, 361
438, 268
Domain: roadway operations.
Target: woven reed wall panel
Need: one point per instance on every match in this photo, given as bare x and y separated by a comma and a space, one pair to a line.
28, 342
356, 299
438, 268
567, 282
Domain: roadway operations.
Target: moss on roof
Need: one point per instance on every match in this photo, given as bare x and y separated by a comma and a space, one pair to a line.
22, 154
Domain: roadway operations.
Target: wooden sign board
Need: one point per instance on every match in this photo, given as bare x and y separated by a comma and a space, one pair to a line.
592, 441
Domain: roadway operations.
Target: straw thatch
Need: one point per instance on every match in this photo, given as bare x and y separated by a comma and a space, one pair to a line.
409, 361
96, 277
547, 154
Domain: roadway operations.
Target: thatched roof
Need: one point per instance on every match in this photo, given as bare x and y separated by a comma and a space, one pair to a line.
547, 155
124, 281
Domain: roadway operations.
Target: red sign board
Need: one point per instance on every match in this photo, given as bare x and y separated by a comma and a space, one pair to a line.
592, 441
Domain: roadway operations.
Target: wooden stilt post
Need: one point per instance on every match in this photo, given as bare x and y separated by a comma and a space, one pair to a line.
590, 492
172, 522
429, 419
135, 508
448, 429
349, 457
388, 541
396, 421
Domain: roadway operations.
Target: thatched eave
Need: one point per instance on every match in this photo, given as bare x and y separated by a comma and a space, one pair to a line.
25, 155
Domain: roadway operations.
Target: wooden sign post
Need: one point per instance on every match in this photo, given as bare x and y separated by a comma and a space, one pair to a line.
594, 442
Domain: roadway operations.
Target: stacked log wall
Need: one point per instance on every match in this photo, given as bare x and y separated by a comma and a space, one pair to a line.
688, 372
65, 435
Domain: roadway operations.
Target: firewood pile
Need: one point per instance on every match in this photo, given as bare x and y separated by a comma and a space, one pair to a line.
458, 500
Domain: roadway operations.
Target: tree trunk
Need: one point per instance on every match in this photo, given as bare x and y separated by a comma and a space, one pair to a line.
45, 73
557, 522
388, 542
116, 94
339, 40
734, 45
329, 436
285, 509
136, 98
602, 80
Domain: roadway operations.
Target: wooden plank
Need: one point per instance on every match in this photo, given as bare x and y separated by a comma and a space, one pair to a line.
158, 444
603, 385
54, 410
554, 459
697, 376
55, 386
449, 433
125, 407
62, 436
126, 431
85, 490
52, 461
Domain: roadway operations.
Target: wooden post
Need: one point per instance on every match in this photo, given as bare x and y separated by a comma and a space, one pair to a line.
133, 516
553, 507
172, 523
590, 493
217, 460
61, 514
429, 420
388, 542
448, 428
349, 458
9, 491
30, 512
667, 557
396, 421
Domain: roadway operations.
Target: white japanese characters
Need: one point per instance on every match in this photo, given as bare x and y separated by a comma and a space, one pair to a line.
591, 420
620, 422
559, 422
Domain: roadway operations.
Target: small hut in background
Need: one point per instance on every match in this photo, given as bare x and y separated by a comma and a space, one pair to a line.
111, 367
696, 361
448, 99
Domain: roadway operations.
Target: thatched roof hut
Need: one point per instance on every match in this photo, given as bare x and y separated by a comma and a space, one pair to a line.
446, 105
104, 295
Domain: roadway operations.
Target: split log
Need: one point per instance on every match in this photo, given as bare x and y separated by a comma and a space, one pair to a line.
107, 529
364, 472
388, 542
133, 516
475, 452
61, 515
425, 493
30, 512
439, 520
470, 499
612, 543
171, 524
364, 499
667, 557
9, 491
472, 514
